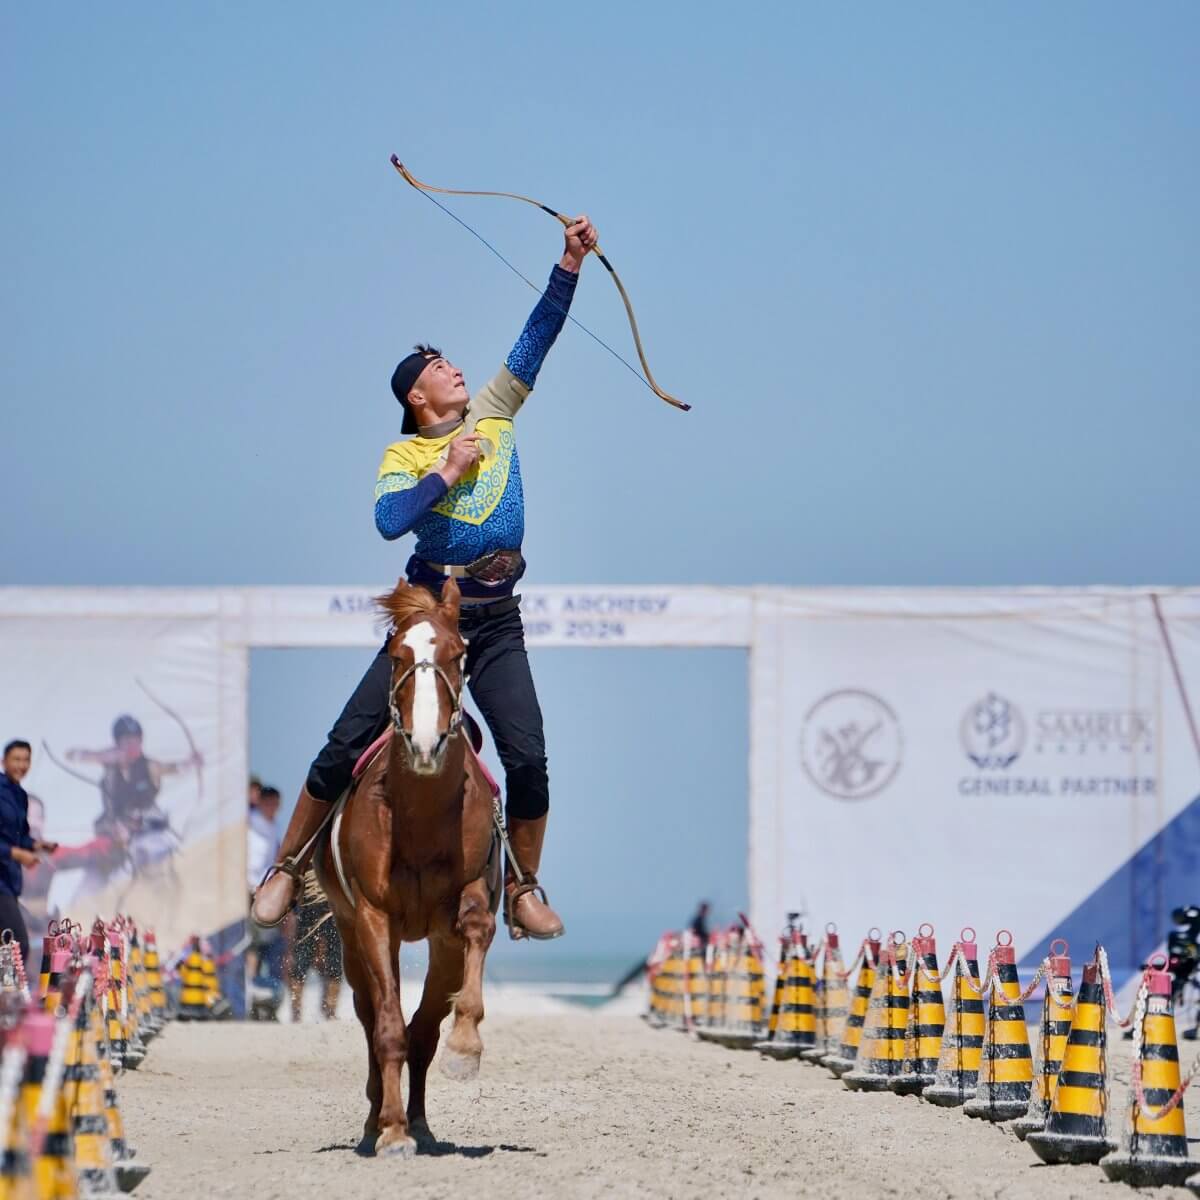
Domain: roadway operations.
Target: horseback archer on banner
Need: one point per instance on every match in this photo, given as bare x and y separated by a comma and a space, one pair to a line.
457, 485
132, 832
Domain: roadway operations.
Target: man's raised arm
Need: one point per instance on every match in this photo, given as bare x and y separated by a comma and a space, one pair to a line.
543, 327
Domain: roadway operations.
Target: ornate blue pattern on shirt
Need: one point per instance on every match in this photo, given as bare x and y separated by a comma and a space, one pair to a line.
485, 510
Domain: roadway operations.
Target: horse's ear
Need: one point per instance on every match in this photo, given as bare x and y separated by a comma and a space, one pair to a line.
451, 597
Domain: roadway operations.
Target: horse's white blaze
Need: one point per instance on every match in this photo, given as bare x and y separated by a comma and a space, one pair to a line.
419, 639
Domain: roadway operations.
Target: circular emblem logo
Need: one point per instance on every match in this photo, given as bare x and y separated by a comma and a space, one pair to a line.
993, 732
851, 744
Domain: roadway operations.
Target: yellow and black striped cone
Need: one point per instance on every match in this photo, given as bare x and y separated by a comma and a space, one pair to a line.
193, 991
1077, 1127
957, 1073
129, 1174
671, 980
1154, 1149
60, 961
83, 1094
744, 993
49, 944
154, 982
45, 1107
140, 1001
781, 969
16, 1168
1053, 1030
796, 1027
926, 1019
843, 1059
1006, 1065
656, 1007
832, 998
129, 1048
881, 1054
718, 977
695, 982
218, 1007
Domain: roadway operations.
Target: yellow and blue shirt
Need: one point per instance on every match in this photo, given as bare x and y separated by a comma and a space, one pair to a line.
485, 510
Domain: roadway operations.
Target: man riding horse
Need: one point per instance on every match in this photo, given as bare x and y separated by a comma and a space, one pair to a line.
457, 485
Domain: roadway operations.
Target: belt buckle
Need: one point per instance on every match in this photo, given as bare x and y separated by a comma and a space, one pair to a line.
495, 568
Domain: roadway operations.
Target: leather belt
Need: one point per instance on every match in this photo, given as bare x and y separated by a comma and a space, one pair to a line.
492, 569
485, 610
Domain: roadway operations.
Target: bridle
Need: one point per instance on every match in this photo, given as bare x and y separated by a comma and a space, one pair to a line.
456, 710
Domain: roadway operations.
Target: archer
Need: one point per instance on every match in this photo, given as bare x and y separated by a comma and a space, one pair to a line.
457, 485
130, 783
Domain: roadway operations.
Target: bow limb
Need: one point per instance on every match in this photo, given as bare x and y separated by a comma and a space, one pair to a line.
428, 187
62, 766
637, 338
566, 221
197, 760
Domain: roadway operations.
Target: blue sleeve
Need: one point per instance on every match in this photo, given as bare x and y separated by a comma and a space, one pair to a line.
544, 325
396, 512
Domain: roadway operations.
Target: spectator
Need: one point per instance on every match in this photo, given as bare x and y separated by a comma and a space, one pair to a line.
264, 960
35, 894
262, 838
18, 848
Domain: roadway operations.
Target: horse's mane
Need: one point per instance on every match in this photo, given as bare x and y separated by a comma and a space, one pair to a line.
407, 602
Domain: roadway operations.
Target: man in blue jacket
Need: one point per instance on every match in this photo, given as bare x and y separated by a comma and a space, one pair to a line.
17, 847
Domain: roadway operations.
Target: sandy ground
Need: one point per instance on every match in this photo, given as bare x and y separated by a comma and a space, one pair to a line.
568, 1105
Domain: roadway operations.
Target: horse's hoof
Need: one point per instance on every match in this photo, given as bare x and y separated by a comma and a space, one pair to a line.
391, 1143
462, 1068
420, 1130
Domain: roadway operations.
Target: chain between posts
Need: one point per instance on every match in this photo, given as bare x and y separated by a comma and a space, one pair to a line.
864, 955
1149, 1112
1110, 998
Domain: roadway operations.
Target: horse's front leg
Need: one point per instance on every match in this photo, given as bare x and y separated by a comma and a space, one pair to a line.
356, 975
389, 1038
476, 926
442, 980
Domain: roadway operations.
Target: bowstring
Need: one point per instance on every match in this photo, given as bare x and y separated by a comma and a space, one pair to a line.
525, 279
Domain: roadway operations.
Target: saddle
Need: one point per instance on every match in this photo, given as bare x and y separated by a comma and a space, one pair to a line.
495, 863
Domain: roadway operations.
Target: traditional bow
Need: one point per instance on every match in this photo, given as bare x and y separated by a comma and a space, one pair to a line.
62, 766
648, 377
197, 759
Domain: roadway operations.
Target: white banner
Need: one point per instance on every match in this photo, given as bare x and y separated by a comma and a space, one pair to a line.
1014, 759
554, 616
137, 723
1008, 760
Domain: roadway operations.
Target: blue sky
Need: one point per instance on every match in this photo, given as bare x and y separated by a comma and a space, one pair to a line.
926, 272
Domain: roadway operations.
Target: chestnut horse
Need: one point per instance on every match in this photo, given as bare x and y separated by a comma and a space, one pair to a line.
413, 841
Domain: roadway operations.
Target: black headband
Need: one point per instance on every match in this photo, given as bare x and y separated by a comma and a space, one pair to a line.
404, 376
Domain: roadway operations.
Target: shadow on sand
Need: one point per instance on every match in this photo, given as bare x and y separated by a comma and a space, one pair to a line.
426, 1146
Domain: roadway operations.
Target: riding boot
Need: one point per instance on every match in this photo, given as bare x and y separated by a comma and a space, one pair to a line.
525, 907
275, 896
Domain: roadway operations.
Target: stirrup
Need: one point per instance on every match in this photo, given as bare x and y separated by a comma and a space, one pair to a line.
517, 931
288, 866
285, 866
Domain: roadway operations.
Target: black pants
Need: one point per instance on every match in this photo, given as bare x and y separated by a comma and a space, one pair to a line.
501, 685
12, 918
